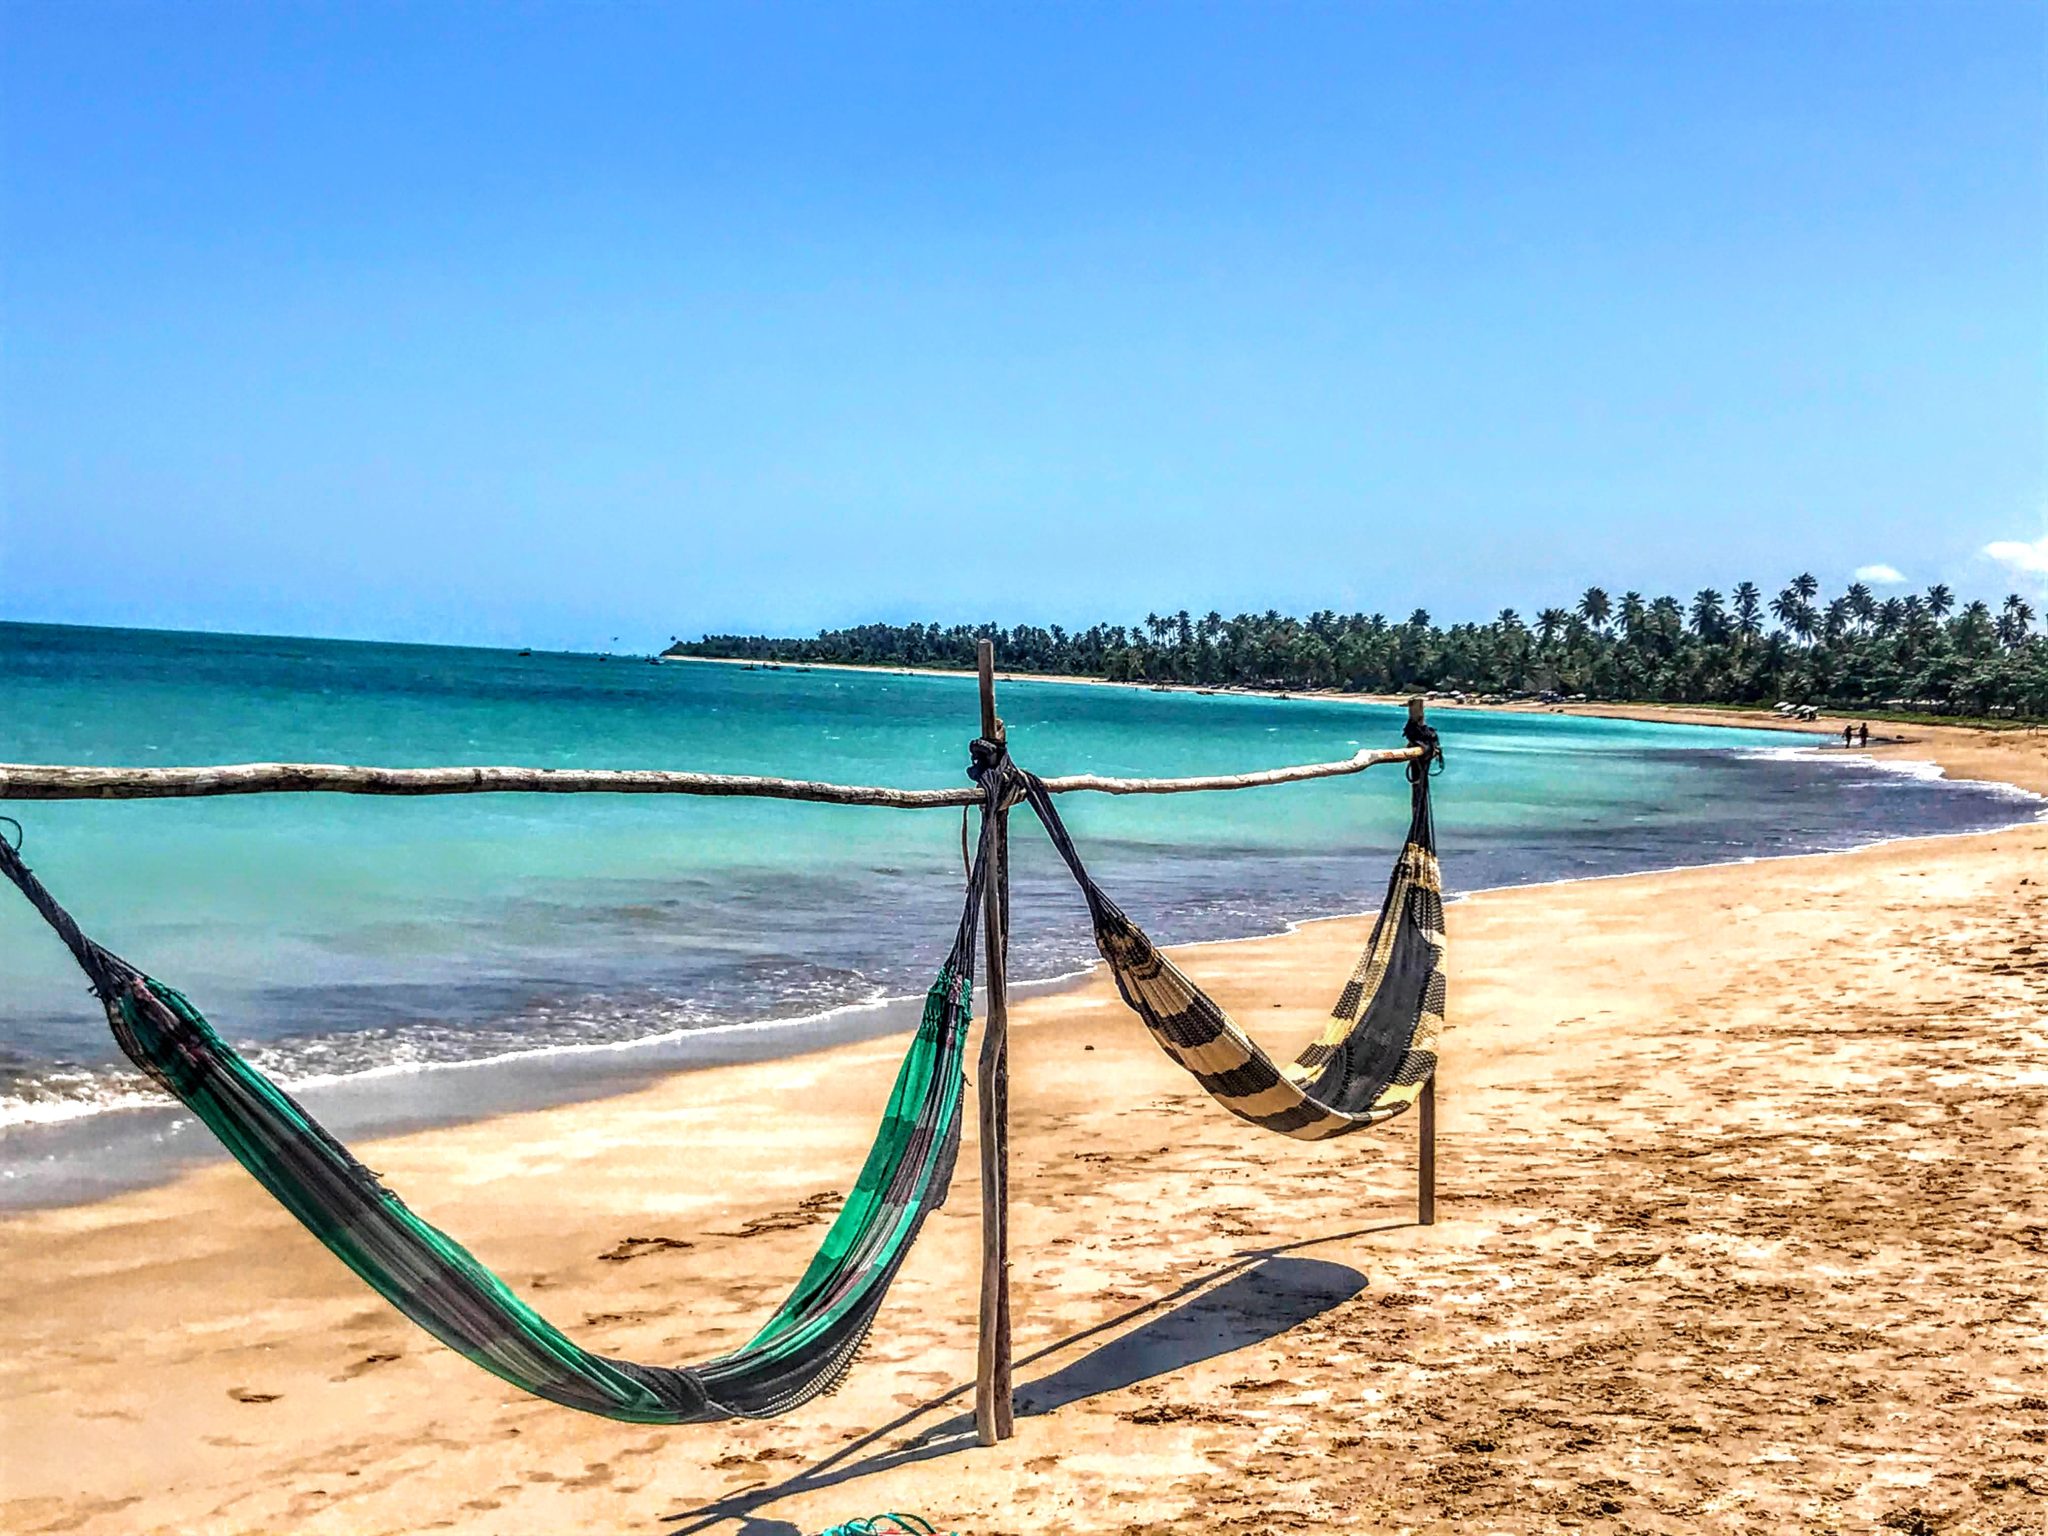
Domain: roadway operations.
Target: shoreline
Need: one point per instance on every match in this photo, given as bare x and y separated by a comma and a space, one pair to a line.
428, 1097
1976, 753
893, 1018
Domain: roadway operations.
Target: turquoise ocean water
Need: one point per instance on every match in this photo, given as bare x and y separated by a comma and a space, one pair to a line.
373, 952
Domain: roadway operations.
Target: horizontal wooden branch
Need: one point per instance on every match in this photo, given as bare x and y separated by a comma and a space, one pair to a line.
36, 781
1356, 763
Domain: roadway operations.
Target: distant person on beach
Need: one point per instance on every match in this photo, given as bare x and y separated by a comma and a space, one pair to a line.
1863, 734
1848, 735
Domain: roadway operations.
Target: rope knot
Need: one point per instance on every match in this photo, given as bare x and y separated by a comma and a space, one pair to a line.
985, 757
1417, 734
989, 765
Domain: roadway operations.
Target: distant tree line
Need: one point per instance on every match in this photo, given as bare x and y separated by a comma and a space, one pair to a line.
1919, 652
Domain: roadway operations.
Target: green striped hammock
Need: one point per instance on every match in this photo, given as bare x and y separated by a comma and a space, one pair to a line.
803, 1350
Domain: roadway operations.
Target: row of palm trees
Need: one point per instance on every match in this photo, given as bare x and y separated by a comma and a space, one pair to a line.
1797, 610
1921, 650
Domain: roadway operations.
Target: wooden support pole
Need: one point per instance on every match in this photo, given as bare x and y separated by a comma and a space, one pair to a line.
993, 1409
1425, 1152
1425, 1181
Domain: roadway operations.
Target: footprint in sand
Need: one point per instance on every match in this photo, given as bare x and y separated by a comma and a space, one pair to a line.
367, 1363
600, 1319
809, 1211
640, 1247
245, 1395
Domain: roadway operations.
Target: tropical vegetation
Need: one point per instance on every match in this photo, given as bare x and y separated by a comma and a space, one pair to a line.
1921, 651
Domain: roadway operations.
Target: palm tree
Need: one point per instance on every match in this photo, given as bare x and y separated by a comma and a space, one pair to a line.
1595, 608
1940, 600
1837, 618
2014, 621
1550, 623
1805, 586
1920, 626
1861, 603
1708, 621
1632, 615
1794, 612
1748, 609
1974, 629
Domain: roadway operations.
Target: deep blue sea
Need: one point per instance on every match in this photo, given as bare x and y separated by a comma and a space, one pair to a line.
401, 942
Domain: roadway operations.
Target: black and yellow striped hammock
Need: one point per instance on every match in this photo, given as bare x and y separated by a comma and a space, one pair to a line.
1380, 1045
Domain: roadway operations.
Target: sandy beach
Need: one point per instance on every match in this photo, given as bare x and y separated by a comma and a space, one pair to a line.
1742, 1218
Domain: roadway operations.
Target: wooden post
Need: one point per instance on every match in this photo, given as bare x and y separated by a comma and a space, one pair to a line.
993, 1419
1425, 1182
1425, 1159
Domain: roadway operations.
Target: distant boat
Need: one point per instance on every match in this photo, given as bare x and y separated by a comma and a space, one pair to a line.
526, 653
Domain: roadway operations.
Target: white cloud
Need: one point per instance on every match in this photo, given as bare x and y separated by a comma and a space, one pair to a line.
1883, 575
2020, 558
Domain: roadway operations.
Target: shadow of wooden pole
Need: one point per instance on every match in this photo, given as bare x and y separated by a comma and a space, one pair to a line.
1425, 1166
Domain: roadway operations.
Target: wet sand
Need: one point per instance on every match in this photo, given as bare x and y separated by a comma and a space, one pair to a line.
2016, 755
1742, 1219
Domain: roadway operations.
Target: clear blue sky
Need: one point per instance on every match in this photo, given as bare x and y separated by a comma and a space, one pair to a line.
547, 323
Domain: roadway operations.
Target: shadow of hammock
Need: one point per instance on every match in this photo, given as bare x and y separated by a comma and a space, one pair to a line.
1258, 1295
